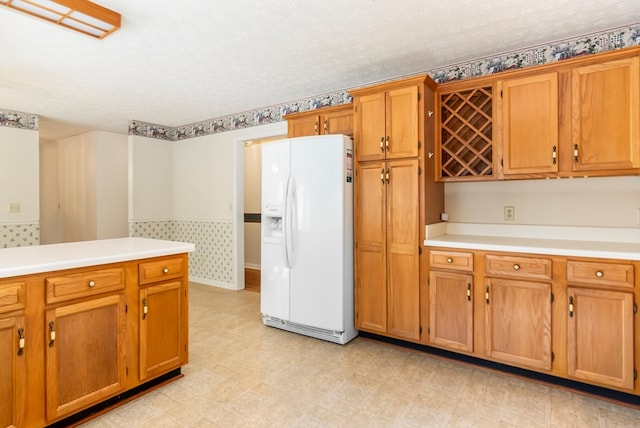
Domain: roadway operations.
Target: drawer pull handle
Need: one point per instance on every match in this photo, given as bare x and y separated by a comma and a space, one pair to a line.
599, 274
315, 128
469, 292
52, 334
571, 306
165, 271
516, 266
20, 341
326, 126
382, 144
145, 309
386, 143
449, 260
91, 284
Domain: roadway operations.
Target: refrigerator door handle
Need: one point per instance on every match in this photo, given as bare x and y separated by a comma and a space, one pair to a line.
286, 222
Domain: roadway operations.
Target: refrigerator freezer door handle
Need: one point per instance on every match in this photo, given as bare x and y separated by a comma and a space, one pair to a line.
286, 221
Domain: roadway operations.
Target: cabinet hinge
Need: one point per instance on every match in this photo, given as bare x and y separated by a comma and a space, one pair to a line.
419, 170
501, 162
419, 251
126, 309
553, 356
356, 245
500, 93
419, 145
420, 329
126, 371
552, 297
418, 96
635, 374
635, 308
428, 330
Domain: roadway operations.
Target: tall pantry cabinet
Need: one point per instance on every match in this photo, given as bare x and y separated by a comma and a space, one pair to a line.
394, 197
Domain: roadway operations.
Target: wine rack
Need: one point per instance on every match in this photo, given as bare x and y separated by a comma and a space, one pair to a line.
466, 131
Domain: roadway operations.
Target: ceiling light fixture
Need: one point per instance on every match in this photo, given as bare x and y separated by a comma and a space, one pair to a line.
79, 15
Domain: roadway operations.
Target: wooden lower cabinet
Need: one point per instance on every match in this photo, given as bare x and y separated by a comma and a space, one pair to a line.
162, 346
600, 337
518, 322
451, 310
72, 339
85, 354
573, 318
12, 371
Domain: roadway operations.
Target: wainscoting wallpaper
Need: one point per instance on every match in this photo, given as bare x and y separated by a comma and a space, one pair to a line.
212, 259
19, 235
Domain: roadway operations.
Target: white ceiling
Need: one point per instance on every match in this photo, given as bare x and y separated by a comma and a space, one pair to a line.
178, 62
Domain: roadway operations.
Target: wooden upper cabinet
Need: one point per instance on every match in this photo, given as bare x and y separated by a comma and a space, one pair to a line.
322, 121
387, 121
530, 124
606, 115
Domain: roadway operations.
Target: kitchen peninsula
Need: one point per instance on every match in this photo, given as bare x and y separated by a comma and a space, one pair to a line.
84, 322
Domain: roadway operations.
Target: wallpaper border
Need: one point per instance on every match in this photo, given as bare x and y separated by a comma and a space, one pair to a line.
16, 119
613, 39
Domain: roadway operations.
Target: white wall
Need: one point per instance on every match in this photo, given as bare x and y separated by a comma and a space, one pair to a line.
252, 203
111, 185
84, 187
19, 175
150, 179
595, 201
209, 183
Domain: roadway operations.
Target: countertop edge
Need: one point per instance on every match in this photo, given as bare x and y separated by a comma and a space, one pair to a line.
36, 259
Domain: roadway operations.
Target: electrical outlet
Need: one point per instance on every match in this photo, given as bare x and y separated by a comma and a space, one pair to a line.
509, 213
14, 207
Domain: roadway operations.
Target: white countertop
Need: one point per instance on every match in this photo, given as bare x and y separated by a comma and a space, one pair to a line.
45, 258
609, 243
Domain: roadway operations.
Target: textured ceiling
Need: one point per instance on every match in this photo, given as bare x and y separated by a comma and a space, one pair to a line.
178, 62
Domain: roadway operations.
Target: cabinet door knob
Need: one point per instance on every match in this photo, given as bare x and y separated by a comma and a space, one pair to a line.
599, 274
575, 153
449, 260
386, 143
554, 155
326, 126
469, 292
516, 266
382, 144
315, 128
571, 306
165, 271
145, 309
91, 284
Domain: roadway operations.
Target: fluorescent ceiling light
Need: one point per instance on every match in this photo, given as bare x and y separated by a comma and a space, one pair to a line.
78, 15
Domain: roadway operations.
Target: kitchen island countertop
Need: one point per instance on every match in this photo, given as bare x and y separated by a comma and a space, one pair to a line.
51, 257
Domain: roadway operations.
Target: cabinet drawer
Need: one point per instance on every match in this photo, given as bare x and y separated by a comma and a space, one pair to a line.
451, 260
519, 267
598, 273
160, 270
12, 296
83, 284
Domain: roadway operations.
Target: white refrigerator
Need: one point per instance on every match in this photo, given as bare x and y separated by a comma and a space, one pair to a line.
306, 280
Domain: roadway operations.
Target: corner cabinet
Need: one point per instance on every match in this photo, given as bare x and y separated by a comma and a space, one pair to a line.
77, 338
394, 197
322, 121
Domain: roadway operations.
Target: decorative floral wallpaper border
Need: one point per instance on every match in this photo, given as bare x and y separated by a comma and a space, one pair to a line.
19, 235
15, 119
582, 45
213, 256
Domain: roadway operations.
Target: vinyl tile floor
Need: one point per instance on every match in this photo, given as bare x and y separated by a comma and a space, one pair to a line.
244, 374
